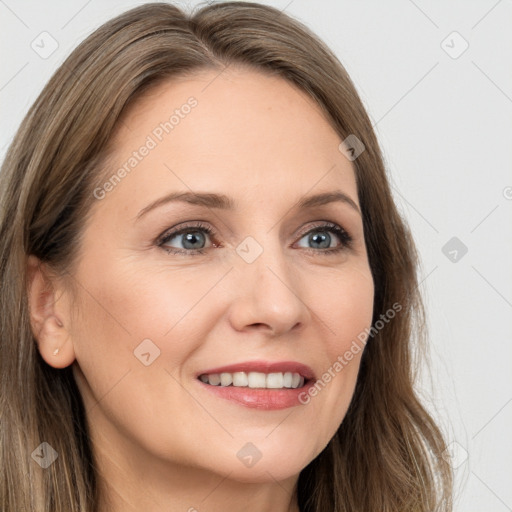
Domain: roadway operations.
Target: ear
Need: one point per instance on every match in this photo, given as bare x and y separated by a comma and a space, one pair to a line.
49, 318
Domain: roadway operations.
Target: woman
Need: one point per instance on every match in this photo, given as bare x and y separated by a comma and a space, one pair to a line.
172, 338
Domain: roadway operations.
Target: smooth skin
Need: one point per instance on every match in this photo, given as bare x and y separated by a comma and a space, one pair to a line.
163, 442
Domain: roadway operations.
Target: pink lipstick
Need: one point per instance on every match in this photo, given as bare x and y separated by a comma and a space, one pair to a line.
265, 385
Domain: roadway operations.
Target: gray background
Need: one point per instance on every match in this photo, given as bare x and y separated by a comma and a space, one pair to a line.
443, 118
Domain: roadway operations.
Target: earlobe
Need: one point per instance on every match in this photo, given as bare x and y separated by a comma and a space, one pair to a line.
54, 343
46, 319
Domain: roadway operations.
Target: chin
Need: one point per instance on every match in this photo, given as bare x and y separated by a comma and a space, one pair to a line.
264, 461
277, 469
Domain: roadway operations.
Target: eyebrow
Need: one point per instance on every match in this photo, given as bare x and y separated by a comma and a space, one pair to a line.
223, 202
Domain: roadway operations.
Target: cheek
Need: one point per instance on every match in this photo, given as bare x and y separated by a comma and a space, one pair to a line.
136, 329
136, 302
345, 308
129, 311
345, 304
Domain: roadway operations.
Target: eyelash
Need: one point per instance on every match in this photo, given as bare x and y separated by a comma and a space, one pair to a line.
344, 236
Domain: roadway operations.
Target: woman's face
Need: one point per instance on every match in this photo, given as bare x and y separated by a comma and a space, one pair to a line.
271, 289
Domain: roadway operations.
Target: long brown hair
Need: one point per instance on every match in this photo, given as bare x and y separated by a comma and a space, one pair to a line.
386, 455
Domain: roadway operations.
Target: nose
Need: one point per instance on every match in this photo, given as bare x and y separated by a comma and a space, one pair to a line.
269, 294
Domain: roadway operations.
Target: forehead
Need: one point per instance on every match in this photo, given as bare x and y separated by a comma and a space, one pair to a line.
237, 130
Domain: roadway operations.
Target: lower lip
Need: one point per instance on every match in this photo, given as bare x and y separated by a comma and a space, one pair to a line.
264, 399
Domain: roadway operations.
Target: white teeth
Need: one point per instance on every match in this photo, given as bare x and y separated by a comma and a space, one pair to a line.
214, 379
225, 379
277, 380
257, 380
240, 379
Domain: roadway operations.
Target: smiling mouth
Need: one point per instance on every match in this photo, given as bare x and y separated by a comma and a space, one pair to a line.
255, 380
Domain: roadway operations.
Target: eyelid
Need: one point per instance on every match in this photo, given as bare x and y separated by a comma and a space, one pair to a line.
321, 224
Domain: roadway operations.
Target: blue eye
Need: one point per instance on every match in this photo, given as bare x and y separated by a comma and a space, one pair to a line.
193, 239
320, 236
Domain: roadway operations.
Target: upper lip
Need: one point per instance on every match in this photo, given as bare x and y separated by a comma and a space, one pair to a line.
263, 367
